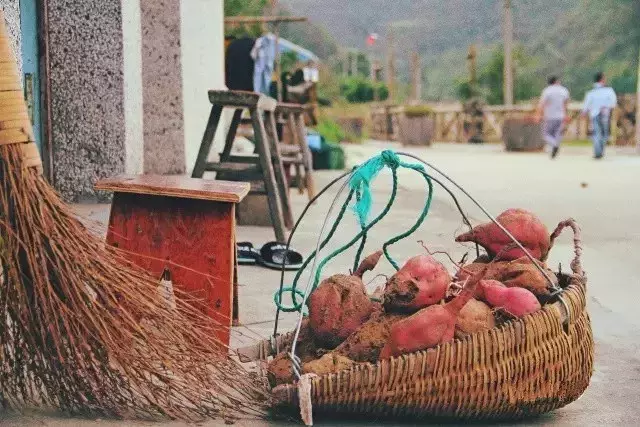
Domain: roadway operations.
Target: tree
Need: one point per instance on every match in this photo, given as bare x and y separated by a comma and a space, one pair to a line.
244, 8
491, 77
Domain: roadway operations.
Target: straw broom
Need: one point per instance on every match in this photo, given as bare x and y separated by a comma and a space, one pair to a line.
82, 330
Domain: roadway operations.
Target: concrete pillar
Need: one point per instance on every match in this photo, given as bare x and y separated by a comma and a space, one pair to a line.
202, 42
133, 106
87, 94
162, 87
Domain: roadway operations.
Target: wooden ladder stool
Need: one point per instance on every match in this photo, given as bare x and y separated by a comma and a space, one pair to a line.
297, 152
264, 166
187, 226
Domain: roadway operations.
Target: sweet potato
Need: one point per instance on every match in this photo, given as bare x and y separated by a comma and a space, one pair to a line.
338, 307
328, 364
306, 348
475, 316
368, 264
364, 345
421, 282
523, 225
430, 326
519, 273
516, 301
280, 370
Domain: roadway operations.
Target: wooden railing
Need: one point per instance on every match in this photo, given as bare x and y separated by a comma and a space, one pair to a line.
450, 122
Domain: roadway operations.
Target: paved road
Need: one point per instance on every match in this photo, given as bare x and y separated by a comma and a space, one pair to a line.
602, 196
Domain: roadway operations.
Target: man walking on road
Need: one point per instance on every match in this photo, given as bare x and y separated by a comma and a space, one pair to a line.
598, 104
553, 108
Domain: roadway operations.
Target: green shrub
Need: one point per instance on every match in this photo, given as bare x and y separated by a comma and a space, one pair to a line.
358, 89
330, 130
417, 110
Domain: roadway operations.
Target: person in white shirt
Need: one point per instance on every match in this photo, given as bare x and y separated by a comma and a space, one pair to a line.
598, 104
553, 109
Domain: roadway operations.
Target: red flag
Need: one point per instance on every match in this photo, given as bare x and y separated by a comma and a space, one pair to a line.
371, 39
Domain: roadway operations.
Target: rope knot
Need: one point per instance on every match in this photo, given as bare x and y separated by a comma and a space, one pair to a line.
391, 159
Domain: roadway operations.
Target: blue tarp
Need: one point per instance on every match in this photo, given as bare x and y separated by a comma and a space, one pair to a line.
285, 45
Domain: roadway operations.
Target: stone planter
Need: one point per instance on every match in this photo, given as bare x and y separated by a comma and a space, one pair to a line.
416, 126
522, 134
352, 126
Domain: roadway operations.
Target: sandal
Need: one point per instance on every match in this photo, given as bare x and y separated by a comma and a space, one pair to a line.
247, 254
273, 254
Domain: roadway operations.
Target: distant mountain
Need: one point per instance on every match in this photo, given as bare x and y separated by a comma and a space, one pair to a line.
573, 37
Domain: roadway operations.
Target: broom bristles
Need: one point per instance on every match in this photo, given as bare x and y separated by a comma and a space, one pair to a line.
87, 332
84, 330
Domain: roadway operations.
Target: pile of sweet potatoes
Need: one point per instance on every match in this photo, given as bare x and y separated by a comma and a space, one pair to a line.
422, 304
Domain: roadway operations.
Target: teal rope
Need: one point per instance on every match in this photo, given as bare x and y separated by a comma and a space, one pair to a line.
277, 297
417, 224
338, 251
360, 184
356, 261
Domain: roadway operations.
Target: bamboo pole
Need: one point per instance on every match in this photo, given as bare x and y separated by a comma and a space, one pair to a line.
638, 109
391, 72
416, 77
508, 54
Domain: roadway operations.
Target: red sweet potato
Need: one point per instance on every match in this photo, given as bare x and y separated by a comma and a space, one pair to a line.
421, 282
475, 316
364, 345
280, 370
430, 326
338, 307
368, 264
523, 225
519, 273
516, 301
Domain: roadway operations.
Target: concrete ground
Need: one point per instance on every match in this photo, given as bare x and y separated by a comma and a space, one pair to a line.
602, 196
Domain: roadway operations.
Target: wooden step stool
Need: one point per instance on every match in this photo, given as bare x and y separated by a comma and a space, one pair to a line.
186, 225
297, 152
264, 166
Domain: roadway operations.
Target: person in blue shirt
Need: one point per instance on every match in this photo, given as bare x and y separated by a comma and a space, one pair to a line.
598, 104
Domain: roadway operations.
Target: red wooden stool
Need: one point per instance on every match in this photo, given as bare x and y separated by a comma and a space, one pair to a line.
186, 225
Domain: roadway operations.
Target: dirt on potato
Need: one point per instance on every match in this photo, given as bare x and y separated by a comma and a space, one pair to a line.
365, 344
475, 316
280, 370
328, 364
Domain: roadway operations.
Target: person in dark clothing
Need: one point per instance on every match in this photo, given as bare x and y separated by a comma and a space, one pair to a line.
239, 65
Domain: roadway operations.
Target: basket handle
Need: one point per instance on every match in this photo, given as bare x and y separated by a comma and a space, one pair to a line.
576, 264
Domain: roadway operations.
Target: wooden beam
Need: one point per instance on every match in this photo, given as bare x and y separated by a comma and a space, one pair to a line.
263, 19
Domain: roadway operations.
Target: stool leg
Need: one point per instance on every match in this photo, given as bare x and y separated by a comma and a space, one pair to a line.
273, 198
207, 139
279, 170
235, 318
231, 136
306, 156
291, 123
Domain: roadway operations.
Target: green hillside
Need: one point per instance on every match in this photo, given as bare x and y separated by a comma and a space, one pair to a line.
573, 38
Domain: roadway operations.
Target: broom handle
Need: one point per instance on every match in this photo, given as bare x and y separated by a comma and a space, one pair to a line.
15, 125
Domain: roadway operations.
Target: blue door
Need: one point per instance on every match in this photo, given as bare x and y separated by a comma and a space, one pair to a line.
31, 65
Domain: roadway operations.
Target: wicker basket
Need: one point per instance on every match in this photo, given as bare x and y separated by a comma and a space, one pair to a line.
522, 368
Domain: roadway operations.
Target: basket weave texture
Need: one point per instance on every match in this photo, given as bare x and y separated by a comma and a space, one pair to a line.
524, 367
